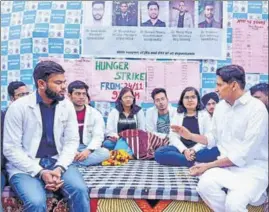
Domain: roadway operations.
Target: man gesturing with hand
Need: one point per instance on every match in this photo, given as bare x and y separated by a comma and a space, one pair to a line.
240, 131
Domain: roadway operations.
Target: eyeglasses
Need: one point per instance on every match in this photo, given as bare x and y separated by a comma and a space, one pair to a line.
22, 94
190, 97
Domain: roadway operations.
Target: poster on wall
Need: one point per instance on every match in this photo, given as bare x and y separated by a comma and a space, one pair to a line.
110, 76
174, 76
75, 69
250, 45
155, 29
106, 77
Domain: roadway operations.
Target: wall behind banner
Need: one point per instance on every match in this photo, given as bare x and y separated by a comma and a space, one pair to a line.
60, 22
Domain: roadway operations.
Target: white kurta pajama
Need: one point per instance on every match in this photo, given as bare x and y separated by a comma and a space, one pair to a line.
241, 133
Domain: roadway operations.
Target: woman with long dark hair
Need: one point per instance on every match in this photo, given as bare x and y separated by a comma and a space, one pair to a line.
182, 152
126, 115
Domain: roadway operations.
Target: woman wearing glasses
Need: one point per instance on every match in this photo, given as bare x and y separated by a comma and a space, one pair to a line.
126, 115
182, 152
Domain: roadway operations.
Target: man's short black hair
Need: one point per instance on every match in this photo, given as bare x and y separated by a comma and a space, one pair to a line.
153, 3
233, 73
98, 2
124, 2
77, 85
157, 91
262, 87
209, 3
44, 69
14, 86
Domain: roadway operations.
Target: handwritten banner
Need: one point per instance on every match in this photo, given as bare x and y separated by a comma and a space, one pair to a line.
171, 32
250, 45
110, 76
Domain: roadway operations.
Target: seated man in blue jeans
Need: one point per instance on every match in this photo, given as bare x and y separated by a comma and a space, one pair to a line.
16, 90
40, 143
91, 127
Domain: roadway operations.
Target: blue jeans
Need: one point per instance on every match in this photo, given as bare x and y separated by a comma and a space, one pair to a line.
33, 194
95, 158
110, 145
119, 144
3, 183
169, 155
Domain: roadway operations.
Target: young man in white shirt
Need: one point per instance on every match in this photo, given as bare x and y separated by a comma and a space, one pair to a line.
40, 142
16, 90
91, 127
240, 131
158, 118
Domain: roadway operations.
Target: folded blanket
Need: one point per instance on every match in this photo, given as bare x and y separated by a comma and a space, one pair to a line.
143, 144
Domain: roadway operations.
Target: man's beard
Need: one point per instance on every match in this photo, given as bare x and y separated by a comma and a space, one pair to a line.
209, 17
53, 95
97, 17
154, 17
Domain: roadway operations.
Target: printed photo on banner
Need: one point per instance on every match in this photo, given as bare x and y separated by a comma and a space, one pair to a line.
97, 13
210, 14
154, 13
181, 13
160, 29
125, 13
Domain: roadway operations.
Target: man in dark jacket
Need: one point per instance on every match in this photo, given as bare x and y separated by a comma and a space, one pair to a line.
125, 18
209, 22
153, 11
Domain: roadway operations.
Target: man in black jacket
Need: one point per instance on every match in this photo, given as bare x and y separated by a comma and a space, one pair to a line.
125, 18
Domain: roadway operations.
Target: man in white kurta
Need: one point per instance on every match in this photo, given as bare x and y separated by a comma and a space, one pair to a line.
240, 131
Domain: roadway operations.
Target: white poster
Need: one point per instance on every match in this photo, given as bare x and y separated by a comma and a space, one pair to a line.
155, 29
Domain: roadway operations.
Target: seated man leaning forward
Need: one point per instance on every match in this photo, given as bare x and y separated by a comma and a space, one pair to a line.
91, 127
240, 131
40, 142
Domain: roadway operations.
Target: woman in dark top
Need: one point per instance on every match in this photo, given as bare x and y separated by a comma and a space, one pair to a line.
182, 152
126, 115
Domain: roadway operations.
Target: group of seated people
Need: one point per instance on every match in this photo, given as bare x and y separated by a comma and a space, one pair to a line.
46, 136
